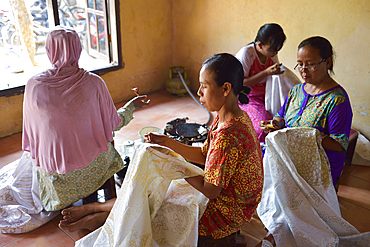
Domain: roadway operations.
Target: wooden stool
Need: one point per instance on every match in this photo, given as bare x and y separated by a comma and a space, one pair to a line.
109, 188
353, 135
241, 240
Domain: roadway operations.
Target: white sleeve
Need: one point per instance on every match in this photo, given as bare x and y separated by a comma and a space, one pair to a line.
246, 59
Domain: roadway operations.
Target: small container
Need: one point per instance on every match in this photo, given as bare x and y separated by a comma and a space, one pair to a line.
148, 129
129, 148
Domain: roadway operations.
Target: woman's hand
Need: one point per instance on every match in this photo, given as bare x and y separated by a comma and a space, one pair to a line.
253, 80
155, 138
139, 101
272, 125
193, 154
274, 69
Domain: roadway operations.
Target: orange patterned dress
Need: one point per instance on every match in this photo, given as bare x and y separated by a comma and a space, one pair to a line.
233, 162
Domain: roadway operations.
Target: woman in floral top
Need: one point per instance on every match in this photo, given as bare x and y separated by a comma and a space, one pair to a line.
233, 175
320, 102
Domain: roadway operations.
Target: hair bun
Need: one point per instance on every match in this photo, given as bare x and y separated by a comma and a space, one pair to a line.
243, 95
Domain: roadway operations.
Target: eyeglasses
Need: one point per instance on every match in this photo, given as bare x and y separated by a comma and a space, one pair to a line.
310, 68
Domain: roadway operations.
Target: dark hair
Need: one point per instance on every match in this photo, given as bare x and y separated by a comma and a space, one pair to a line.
227, 68
271, 34
323, 45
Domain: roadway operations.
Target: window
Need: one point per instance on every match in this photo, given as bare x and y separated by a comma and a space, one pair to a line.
95, 21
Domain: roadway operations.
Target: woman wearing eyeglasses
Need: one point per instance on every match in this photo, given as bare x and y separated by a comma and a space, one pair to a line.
319, 102
304, 161
259, 60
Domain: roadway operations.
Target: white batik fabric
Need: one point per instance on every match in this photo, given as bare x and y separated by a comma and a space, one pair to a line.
21, 209
155, 205
277, 89
299, 204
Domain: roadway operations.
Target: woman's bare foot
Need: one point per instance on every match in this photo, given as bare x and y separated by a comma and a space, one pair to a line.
90, 222
73, 214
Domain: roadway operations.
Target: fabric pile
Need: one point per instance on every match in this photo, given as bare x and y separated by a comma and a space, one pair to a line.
362, 151
21, 209
155, 205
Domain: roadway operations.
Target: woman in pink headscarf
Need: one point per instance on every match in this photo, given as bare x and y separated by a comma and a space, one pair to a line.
68, 123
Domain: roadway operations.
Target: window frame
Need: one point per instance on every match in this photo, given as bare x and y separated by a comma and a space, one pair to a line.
116, 54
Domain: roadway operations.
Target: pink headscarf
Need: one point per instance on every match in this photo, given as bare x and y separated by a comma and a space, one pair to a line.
68, 113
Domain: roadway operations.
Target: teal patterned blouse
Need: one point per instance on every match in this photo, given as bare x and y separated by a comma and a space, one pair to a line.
330, 112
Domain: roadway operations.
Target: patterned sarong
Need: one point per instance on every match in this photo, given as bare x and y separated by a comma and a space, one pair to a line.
58, 191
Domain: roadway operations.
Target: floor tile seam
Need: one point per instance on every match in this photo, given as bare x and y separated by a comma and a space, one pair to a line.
251, 235
8, 153
14, 239
350, 201
63, 231
17, 140
348, 173
358, 178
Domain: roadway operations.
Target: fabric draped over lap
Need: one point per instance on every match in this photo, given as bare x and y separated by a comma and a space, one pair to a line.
330, 112
155, 206
299, 204
20, 207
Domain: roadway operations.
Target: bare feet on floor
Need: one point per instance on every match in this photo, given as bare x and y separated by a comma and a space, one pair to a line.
90, 222
73, 214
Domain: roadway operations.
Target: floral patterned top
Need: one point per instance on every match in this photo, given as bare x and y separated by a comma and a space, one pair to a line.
234, 163
330, 112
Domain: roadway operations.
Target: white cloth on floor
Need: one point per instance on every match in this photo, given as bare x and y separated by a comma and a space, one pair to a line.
277, 89
20, 205
299, 204
361, 155
155, 205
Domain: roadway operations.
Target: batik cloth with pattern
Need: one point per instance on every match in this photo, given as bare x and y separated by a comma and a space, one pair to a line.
27, 193
299, 204
155, 205
330, 112
234, 163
